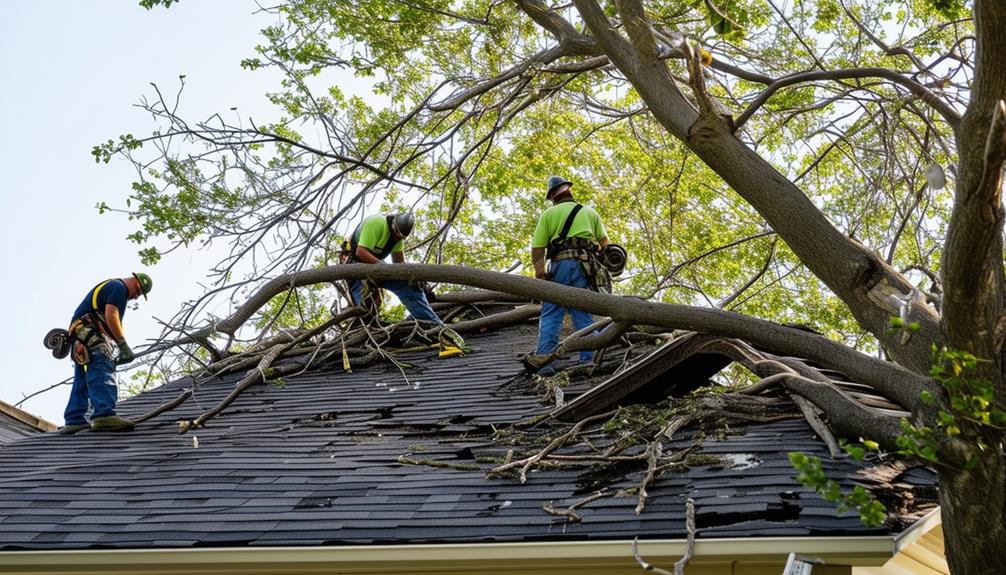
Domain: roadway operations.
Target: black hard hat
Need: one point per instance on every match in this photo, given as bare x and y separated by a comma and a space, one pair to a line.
553, 183
404, 223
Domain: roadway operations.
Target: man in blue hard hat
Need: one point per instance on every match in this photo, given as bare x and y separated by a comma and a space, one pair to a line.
569, 236
95, 331
376, 238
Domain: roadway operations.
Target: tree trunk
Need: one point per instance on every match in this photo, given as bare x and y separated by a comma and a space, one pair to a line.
855, 274
973, 508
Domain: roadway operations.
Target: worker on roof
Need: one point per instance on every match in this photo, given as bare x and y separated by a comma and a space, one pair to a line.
95, 331
373, 240
568, 235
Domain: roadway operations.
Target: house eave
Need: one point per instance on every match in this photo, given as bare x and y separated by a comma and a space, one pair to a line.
609, 556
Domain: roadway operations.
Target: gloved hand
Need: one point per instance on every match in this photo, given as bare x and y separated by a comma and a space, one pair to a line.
126, 354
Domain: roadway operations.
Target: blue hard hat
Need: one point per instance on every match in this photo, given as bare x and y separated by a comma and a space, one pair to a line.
554, 183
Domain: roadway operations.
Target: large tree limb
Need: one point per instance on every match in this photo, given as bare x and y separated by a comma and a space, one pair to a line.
942, 108
854, 273
889, 379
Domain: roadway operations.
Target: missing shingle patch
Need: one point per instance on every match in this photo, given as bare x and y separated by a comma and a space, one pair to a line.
309, 502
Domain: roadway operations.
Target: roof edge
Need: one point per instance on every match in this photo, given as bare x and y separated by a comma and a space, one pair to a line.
924, 525
447, 558
27, 418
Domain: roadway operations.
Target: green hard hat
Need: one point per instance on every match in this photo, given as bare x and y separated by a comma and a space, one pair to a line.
146, 284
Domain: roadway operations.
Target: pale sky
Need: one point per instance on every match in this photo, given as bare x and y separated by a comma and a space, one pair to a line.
71, 72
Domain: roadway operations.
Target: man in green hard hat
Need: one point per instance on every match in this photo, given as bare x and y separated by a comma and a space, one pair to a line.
95, 331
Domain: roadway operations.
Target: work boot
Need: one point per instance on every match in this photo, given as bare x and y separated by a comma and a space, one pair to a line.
450, 338
539, 364
111, 423
71, 428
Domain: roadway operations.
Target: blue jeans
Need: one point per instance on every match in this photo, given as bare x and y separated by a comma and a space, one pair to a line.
411, 297
568, 273
95, 382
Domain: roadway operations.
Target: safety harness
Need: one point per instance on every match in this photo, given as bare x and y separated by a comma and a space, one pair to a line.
371, 293
348, 253
582, 249
89, 330
559, 244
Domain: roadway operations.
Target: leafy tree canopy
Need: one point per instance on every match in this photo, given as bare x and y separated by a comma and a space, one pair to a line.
831, 163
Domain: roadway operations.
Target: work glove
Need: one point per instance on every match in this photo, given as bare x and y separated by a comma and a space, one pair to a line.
126, 354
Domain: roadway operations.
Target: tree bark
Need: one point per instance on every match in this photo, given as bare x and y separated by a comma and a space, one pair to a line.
973, 509
855, 274
887, 378
973, 254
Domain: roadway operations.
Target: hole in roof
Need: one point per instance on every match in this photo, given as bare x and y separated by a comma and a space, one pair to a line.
783, 512
741, 460
677, 368
309, 502
601, 476
494, 508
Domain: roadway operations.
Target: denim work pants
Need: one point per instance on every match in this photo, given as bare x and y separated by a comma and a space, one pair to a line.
412, 298
569, 273
95, 383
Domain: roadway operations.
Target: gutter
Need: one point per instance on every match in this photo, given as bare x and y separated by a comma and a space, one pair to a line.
917, 530
607, 557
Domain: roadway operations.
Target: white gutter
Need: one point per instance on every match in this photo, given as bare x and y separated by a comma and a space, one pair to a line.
580, 556
917, 530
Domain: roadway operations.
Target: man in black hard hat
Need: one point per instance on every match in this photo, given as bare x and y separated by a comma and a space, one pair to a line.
569, 236
373, 240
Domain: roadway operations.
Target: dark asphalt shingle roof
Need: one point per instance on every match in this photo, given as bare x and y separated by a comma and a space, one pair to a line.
317, 462
15, 423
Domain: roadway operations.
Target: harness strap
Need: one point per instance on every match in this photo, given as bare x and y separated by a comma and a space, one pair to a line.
94, 294
555, 245
92, 319
390, 244
355, 239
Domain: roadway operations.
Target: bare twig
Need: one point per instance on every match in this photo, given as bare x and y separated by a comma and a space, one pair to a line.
570, 512
527, 462
680, 564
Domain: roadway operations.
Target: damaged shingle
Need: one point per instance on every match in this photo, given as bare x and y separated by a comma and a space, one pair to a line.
336, 458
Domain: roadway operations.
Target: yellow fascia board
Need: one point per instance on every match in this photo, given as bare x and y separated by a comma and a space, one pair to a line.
443, 558
918, 529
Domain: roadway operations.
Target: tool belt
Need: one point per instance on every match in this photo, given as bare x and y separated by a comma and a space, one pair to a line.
371, 296
585, 251
574, 248
88, 335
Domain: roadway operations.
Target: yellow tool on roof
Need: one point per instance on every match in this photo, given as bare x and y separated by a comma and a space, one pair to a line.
450, 351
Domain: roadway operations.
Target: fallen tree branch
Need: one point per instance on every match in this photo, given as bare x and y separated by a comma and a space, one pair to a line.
265, 363
888, 378
556, 443
680, 564
653, 452
570, 512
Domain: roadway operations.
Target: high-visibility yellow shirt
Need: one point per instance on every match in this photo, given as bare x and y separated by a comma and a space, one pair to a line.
587, 224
